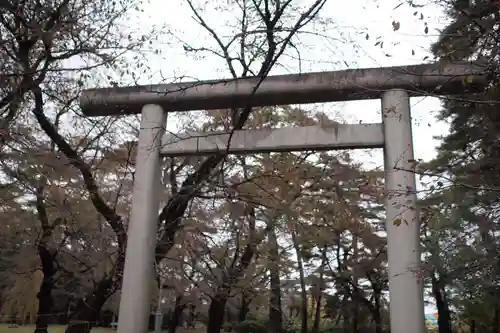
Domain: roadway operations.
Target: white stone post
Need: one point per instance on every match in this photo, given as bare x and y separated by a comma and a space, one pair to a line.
138, 275
403, 227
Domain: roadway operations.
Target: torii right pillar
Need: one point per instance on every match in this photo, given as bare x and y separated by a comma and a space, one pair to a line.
402, 222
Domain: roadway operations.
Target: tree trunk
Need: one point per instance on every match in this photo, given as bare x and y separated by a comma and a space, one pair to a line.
348, 298
444, 318
174, 321
472, 326
376, 313
496, 320
346, 316
354, 316
47, 259
216, 313
303, 291
45, 300
237, 269
229, 320
317, 315
319, 296
275, 314
88, 309
374, 307
244, 308
355, 302
192, 316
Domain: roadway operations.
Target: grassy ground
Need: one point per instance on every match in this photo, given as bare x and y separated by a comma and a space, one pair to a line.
4, 328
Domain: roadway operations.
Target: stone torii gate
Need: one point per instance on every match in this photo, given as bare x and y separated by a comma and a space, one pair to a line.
393, 85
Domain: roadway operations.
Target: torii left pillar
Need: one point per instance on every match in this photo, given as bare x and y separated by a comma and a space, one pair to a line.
135, 299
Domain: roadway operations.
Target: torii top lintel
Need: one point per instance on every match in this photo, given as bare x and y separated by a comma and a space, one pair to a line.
345, 85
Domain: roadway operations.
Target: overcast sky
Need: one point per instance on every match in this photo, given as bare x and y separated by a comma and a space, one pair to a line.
345, 45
